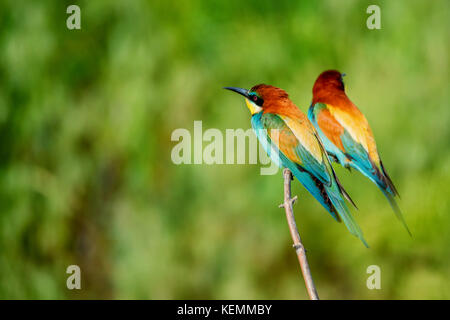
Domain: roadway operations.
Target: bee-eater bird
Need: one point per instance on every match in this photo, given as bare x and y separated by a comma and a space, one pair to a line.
346, 134
291, 141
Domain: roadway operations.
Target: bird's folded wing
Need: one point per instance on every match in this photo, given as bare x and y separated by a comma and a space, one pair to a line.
298, 142
349, 132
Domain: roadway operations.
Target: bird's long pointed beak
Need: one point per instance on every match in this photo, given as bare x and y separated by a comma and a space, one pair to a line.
241, 91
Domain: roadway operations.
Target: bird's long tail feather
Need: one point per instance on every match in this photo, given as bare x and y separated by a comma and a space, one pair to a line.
395, 207
330, 197
385, 184
344, 213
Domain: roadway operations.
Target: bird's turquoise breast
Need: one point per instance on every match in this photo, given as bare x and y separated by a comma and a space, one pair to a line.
261, 133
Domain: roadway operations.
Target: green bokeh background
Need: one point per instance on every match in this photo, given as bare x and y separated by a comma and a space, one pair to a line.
86, 177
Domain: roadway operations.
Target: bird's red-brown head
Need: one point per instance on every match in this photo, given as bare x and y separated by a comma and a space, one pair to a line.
262, 96
269, 93
328, 82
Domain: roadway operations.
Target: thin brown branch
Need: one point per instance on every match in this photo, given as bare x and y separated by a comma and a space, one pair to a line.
298, 246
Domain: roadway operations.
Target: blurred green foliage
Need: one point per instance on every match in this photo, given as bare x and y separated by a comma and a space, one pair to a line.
86, 176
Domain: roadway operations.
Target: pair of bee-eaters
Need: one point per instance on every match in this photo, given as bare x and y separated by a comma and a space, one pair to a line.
336, 130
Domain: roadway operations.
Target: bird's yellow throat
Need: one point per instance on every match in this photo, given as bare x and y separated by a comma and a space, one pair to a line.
252, 107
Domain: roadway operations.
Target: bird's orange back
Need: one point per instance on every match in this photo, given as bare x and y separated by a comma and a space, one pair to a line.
329, 89
277, 101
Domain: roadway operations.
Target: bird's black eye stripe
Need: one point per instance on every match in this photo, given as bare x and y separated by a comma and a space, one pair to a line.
257, 100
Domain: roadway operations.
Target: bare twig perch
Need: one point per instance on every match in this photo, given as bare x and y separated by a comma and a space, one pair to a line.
299, 249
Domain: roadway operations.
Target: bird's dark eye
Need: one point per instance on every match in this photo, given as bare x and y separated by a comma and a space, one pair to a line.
256, 99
